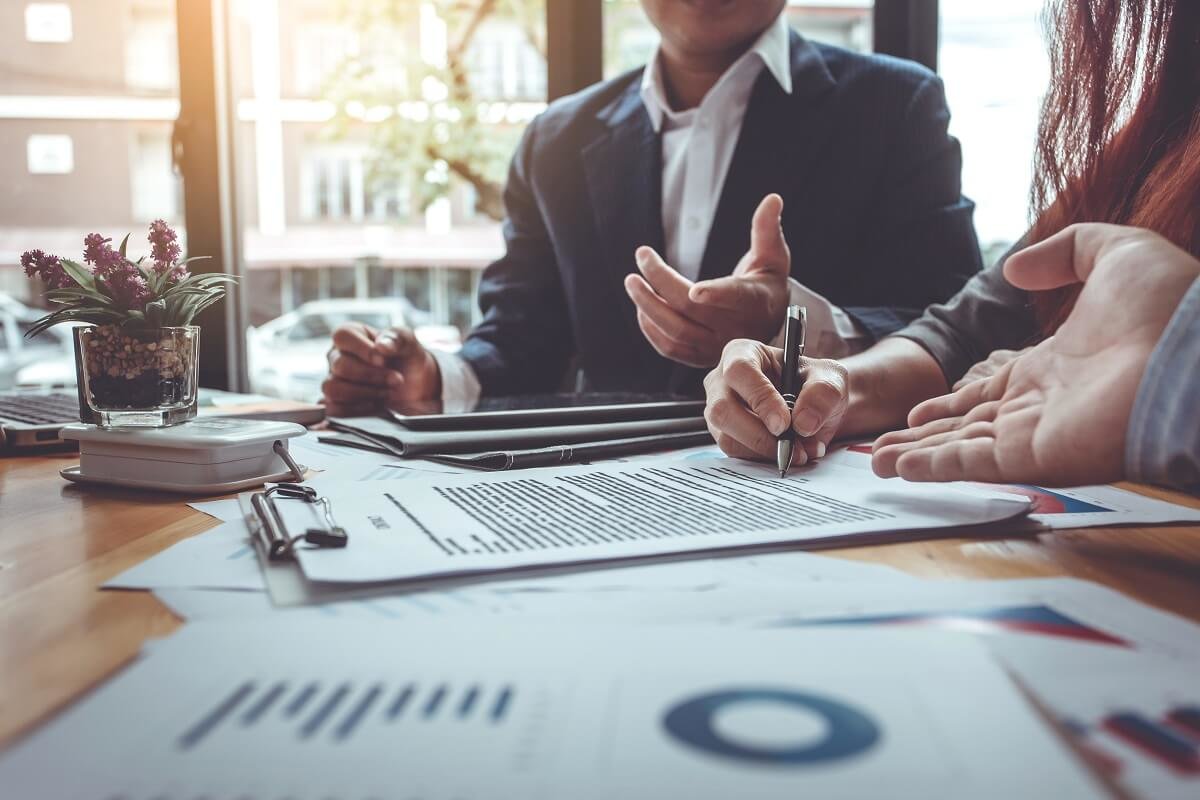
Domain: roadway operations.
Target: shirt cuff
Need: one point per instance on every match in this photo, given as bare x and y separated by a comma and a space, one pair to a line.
831, 332
460, 385
1162, 443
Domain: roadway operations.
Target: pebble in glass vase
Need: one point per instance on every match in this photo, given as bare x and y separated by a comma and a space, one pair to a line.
136, 378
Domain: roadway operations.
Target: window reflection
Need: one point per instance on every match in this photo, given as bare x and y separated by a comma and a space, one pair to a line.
373, 139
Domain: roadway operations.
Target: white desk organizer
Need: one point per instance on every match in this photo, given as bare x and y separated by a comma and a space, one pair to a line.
203, 456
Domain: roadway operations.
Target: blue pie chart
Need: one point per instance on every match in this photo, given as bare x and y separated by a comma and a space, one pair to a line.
849, 731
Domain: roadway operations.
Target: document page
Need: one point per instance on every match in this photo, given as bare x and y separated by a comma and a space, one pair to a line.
1137, 716
350, 710
1077, 507
443, 525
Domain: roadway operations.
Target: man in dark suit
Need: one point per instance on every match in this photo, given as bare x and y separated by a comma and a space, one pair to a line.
646, 227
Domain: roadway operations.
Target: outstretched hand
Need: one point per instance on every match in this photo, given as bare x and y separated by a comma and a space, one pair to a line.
691, 322
1057, 414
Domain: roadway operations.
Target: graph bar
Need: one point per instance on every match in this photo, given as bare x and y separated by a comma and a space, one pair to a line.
357, 713
500, 708
301, 700
1157, 740
264, 703
1099, 758
323, 712
468, 702
1187, 718
214, 718
401, 701
434, 701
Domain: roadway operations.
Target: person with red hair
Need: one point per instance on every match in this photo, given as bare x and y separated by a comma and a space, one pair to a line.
1085, 340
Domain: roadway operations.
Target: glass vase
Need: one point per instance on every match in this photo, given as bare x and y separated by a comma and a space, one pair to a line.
136, 378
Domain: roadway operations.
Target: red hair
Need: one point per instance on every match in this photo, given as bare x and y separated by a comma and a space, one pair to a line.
1119, 136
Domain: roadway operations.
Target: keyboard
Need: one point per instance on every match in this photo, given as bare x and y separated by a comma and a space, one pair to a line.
48, 408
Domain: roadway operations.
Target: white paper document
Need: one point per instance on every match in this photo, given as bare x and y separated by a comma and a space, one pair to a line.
633, 587
222, 558
434, 711
311, 452
1017, 615
1078, 507
1136, 718
227, 510
209, 604
457, 525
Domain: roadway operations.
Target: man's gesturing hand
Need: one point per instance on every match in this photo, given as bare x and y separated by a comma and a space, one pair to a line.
692, 322
1056, 415
370, 371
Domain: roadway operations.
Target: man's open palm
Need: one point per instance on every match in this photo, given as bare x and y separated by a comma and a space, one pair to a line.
1056, 415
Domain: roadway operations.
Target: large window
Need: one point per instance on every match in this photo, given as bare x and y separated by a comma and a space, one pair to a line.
371, 143
88, 94
994, 63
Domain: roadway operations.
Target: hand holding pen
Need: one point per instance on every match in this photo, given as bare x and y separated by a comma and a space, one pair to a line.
747, 414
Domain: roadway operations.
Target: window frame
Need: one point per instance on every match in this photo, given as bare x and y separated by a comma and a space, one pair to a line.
202, 142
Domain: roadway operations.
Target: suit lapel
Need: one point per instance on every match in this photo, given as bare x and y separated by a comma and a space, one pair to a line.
623, 168
781, 138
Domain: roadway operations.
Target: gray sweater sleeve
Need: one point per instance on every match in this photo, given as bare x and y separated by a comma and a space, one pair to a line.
988, 314
1162, 442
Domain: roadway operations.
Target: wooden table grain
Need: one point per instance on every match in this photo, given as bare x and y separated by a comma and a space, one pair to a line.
61, 635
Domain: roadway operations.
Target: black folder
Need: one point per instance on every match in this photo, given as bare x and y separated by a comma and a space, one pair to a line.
388, 435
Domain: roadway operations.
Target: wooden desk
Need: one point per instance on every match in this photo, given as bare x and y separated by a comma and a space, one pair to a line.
59, 635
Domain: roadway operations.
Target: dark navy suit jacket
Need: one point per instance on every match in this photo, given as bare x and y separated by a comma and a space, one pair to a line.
873, 212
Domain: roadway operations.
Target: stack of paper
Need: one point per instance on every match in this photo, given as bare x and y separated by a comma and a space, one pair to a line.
696, 662
464, 711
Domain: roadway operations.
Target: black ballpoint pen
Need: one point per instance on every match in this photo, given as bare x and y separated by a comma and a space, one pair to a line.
789, 383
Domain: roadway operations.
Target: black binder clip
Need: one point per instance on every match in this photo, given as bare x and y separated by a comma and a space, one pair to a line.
273, 532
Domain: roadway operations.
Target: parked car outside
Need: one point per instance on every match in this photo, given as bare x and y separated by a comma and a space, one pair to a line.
45, 360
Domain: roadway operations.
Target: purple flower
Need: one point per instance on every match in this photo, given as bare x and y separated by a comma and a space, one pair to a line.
122, 277
165, 250
100, 254
47, 267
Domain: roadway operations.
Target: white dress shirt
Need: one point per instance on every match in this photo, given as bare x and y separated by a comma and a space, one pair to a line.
697, 148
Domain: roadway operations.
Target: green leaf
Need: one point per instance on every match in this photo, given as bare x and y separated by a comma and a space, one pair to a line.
78, 273
156, 310
95, 316
124, 248
134, 319
203, 304
80, 295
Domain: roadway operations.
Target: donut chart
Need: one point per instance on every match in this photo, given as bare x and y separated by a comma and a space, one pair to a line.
849, 730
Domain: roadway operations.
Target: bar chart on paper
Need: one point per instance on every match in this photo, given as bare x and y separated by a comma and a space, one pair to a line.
1139, 723
349, 734
338, 711
1154, 752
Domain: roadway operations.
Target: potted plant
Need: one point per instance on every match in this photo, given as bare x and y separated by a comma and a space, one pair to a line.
136, 349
